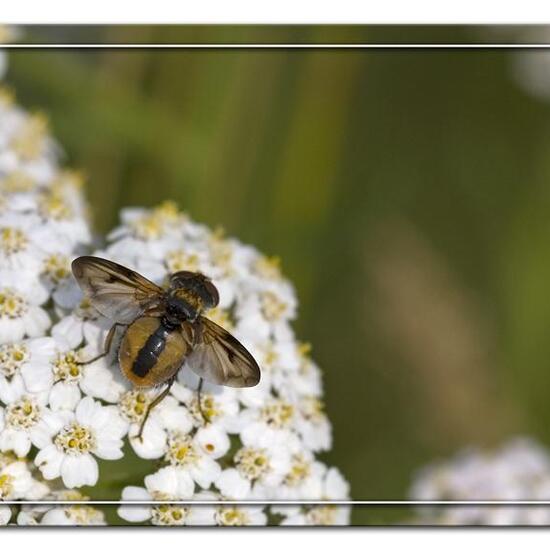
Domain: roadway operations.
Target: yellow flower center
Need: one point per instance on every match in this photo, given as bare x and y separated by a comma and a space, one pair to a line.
322, 515
220, 317
55, 206
75, 439
149, 228
85, 310
272, 308
210, 409
6, 485
231, 516
277, 414
29, 140
270, 268
67, 368
17, 182
221, 251
12, 240
12, 305
82, 514
169, 514
68, 179
133, 405
181, 450
57, 268
252, 462
23, 414
178, 260
313, 409
299, 471
169, 211
12, 357
70, 494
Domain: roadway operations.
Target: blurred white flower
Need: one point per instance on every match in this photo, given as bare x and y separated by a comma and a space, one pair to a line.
5, 510
519, 470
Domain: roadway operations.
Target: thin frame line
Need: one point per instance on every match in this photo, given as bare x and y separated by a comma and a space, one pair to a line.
282, 502
276, 502
274, 46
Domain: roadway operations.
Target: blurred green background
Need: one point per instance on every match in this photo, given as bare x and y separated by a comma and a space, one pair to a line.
407, 193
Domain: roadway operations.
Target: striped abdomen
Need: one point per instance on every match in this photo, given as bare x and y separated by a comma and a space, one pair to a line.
150, 352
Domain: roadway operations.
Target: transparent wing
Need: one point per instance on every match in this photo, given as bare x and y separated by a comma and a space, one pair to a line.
220, 358
114, 290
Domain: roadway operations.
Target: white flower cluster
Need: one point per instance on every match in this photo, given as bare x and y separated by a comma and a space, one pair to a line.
519, 470
58, 416
258, 443
42, 228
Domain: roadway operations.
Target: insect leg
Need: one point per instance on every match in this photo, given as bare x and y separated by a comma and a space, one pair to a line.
153, 404
107, 346
199, 387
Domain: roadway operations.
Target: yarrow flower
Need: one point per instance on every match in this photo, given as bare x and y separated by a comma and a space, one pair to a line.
518, 470
61, 416
76, 437
255, 442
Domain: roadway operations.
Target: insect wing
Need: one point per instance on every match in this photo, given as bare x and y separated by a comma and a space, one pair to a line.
114, 290
220, 358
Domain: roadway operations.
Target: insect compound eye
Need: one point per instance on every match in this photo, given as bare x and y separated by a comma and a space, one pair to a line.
212, 294
181, 279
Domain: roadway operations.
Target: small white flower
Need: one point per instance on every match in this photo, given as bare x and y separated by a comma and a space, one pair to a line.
164, 485
15, 480
266, 311
259, 466
334, 487
275, 417
168, 416
186, 458
20, 311
30, 355
92, 430
21, 238
219, 405
238, 516
312, 424
25, 419
213, 441
84, 324
66, 377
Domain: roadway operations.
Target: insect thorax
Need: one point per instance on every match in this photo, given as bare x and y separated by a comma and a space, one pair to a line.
183, 305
